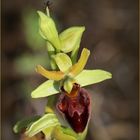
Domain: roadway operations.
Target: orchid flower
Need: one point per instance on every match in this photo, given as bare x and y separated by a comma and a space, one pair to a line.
66, 77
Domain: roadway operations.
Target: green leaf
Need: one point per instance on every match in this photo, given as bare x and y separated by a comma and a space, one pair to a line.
47, 121
23, 124
63, 61
88, 77
48, 30
48, 88
71, 38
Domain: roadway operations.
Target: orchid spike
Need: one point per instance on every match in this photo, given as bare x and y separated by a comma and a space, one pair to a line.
66, 77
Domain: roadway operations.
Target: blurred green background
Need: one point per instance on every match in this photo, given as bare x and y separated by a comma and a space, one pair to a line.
111, 35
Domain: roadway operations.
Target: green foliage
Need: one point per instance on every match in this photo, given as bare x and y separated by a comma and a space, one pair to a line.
46, 122
49, 125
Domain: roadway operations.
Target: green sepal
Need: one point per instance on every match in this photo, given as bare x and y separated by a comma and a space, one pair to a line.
46, 89
47, 121
63, 61
66, 133
88, 77
59, 134
23, 124
71, 38
47, 30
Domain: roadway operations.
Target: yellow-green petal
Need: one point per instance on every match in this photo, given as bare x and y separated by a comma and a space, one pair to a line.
52, 75
79, 66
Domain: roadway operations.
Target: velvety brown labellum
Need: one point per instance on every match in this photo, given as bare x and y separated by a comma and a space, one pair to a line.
75, 107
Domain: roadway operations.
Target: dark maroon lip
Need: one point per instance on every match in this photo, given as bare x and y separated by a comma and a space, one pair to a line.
75, 107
